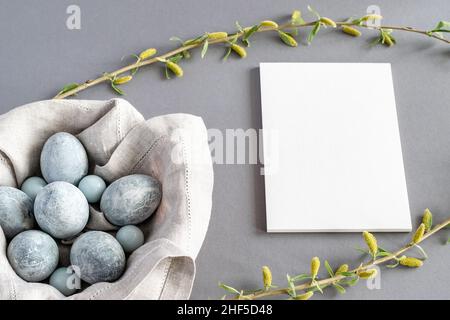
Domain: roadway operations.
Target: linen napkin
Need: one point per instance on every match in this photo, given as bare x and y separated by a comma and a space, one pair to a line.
172, 148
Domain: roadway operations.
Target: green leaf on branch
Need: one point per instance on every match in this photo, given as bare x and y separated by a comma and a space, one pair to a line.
339, 288
347, 274
249, 33
422, 252
382, 252
227, 54
176, 39
205, 48
301, 277
350, 282
311, 9
442, 26
68, 87
197, 40
176, 58
356, 22
239, 27
291, 285
116, 89
186, 54
385, 38
319, 288
329, 269
362, 250
314, 31
392, 266
133, 71
167, 73
228, 288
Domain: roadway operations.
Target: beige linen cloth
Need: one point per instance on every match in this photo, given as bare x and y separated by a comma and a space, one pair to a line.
172, 148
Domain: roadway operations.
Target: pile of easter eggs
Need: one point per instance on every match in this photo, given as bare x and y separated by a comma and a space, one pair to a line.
55, 208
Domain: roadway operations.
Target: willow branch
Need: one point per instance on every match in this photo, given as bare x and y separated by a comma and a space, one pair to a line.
286, 26
337, 278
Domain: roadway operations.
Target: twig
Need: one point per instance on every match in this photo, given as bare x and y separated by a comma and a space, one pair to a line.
337, 278
237, 35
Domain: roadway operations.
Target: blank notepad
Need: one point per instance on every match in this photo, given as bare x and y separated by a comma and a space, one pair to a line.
332, 152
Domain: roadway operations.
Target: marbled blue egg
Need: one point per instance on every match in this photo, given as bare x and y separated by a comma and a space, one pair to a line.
32, 186
92, 187
99, 257
64, 158
131, 199
61, 210
16, 211
130, 238
33, 255
65, 280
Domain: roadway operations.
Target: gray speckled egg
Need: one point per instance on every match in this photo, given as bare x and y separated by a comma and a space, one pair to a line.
32, 186
61, 210
99, 257
33, 255
130, 238
64, 158
131, 199
16, 211
65, 280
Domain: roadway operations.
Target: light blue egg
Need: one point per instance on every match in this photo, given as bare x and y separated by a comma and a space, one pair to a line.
65, 280
61, 210
92, 187
99, 257
64, 158
32, 186
16, 211
33, 255
130, 238
131, 199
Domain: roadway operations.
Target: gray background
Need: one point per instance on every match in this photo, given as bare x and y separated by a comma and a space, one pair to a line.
38, 55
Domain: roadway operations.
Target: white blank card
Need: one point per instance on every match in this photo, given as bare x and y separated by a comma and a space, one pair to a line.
332, 153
